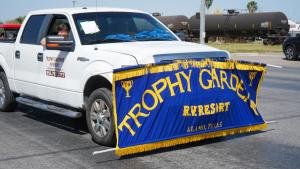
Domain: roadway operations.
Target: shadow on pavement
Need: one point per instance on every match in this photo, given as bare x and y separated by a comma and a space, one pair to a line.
47, 153
194, 144
298, 59
76, 126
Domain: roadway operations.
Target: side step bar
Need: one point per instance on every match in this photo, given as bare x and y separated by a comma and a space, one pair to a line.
49, 107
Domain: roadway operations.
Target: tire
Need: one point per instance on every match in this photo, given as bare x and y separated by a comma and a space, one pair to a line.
290, 52
265, 42
100, 118
7, 99
272, 43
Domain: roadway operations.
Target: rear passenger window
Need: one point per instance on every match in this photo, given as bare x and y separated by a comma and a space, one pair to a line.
31, 32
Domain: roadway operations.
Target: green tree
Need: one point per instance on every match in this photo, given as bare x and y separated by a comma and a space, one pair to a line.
252, 6
17, 20
208, 3
1, 22
20, 19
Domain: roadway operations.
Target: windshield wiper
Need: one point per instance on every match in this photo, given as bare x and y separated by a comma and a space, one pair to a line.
156, 39
116, 40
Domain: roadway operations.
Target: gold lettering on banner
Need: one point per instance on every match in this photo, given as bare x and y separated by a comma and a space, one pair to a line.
157, 91
133, 116
180, 83
205, 110
209, 126
158, 87
208, 85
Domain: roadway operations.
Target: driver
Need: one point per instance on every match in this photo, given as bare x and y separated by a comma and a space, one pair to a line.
62, 30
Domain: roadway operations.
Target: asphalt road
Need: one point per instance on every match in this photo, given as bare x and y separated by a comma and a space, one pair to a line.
32, 139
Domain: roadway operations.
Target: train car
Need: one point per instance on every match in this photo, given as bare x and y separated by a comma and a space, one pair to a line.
179, 24
273, 27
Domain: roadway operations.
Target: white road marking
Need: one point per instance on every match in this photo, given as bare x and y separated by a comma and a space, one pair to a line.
275, 66
103, 151
271, 122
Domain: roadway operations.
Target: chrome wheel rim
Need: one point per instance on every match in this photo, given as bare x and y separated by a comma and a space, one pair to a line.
289, 53
100, 118
2, 92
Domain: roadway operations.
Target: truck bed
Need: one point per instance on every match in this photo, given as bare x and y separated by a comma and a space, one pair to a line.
7, 48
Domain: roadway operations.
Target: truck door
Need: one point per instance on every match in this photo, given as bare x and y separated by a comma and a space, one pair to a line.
297, 42
27, 51
60, 70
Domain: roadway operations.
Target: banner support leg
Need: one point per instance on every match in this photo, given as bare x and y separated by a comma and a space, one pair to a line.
103, 151
271, 122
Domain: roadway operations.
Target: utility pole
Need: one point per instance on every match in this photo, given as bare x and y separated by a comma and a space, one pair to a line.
202, 22
74, 3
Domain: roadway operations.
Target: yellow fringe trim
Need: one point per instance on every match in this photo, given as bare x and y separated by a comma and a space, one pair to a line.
152, 69
259, 85
189, 139
115, 109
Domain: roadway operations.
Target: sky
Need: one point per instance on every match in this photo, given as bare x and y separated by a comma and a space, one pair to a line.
10, 9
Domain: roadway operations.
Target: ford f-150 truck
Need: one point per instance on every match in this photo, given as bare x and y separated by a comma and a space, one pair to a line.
73, 76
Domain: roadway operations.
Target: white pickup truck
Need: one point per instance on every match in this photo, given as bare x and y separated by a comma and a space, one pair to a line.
72, 76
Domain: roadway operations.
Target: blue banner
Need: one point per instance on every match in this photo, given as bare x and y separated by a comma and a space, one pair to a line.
164, 105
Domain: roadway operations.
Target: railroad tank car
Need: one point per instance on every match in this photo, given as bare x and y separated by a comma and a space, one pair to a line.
179, 24
273, 27
175, 23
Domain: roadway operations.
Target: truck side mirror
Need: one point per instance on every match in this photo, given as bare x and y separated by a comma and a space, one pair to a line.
59, 43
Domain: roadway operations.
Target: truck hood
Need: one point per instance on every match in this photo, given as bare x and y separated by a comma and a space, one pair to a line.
158, 51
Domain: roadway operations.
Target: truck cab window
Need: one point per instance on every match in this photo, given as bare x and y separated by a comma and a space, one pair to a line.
32, 30
59, 26
59, 23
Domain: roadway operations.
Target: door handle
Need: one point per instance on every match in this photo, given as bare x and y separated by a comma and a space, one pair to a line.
40, 57
17, 54
83, 59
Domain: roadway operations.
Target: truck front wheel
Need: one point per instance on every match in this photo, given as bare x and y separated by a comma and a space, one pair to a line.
7, 99
100, 119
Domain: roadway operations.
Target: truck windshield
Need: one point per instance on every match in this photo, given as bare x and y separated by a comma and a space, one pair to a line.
110, 27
